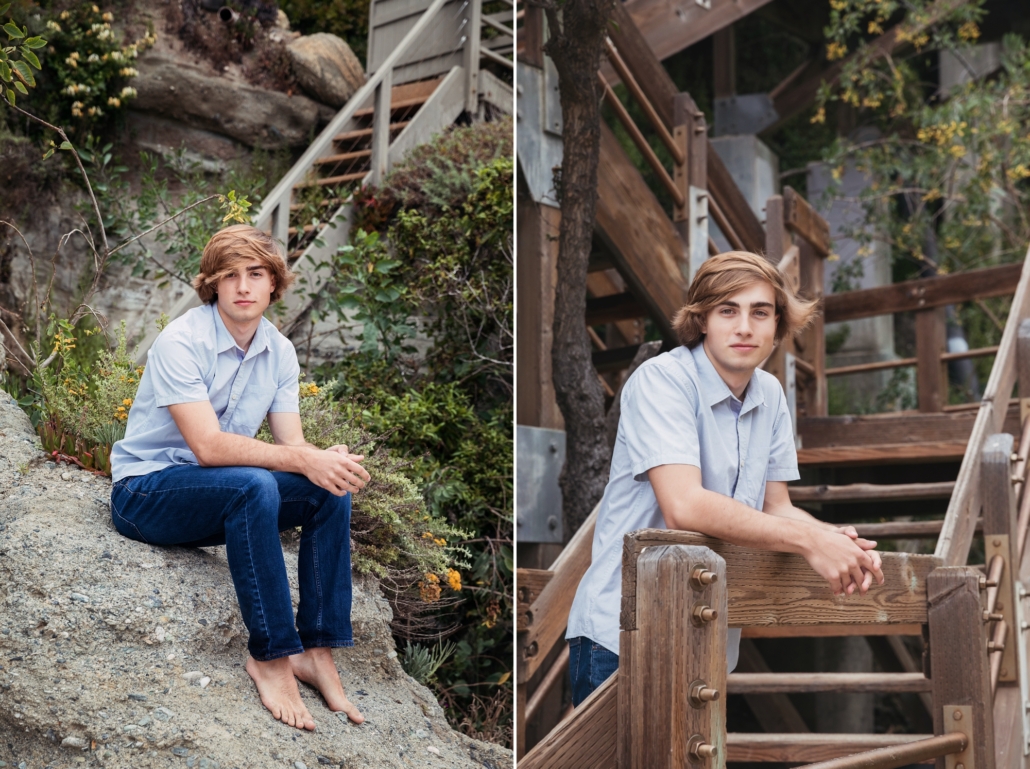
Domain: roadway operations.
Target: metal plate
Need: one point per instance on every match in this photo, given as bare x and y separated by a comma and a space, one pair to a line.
743, 114
539, 457
539, 147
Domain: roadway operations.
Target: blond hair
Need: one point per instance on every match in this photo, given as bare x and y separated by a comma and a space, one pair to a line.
239, 243
724, 275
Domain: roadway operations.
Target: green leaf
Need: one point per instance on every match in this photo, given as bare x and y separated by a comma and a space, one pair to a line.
26, 73
12, 31
21, 87
3, 9
10, 96
5, 72
30, 57
35, 42
49, 152
66, 146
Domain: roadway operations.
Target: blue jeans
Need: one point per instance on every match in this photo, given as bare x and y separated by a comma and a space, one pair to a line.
590, 665
245, 508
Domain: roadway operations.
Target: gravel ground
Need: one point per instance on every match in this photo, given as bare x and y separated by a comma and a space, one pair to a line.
118, 654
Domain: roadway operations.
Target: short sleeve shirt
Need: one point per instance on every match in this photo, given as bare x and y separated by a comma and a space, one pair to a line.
196, 359
677, 410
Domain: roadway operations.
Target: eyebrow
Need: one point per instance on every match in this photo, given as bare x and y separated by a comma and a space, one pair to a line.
755, 305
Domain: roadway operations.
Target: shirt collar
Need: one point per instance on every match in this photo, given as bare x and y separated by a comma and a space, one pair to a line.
715, 390
224, 340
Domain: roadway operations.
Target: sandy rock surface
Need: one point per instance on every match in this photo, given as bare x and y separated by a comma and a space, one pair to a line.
326, 67
117, 654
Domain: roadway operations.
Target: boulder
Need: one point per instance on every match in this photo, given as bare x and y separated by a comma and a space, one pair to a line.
117, 654
173, 88
326, 68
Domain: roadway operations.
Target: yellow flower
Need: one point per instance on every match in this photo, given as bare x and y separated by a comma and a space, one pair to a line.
441, 542
127, 402
820, 116
835, 50
957, 150
429, 589
875, 28
969, 31
454, 579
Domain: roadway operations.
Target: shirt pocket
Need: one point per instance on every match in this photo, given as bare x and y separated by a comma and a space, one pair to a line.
252, 410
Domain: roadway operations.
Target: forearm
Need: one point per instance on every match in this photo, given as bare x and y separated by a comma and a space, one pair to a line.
797, 514
225, 449
724, 518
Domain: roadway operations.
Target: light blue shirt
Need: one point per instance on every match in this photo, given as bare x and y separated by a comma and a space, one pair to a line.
677, 410
196, 359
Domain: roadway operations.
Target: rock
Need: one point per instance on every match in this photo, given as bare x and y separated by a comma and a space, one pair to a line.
204, 682
73, 742
326, 68
173, 88
107, 658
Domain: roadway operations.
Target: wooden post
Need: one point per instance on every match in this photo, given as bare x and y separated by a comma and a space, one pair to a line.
1023, 368
691, 220
470, 58
533, 34
999, 528
958, 652
812, 347
672, 663
380, 159
776, 244
931, 373
724, 55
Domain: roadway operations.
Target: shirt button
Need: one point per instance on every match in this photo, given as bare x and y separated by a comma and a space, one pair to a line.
235, 397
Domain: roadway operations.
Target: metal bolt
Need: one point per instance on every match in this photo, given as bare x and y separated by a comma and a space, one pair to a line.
960, 766
997, 543
700, 578
1014, 457
701, 694
957, 715
703, 614
993, 616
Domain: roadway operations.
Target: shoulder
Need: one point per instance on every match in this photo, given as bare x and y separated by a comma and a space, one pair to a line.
671, 373
192, 328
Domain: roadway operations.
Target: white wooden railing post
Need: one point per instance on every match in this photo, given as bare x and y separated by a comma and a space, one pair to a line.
380, 159
474, 20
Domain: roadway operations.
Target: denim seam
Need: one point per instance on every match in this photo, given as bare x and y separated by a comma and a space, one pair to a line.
254, 577
277, 655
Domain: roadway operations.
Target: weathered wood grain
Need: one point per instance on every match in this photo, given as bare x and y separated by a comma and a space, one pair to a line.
805, 221
958, 655
871, 492
672, 654
923, 293
771, 589
931, 372
830, 631
769, 683
937, 451
586, 740
804, 748
528, 584
902, 427
999, 516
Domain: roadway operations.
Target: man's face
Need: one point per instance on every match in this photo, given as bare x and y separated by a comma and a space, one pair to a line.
740, 332
245, 293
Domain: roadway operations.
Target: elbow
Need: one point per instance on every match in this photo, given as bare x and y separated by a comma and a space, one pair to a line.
205, 452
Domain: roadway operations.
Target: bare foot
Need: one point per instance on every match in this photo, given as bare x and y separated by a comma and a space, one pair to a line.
316, 667
279, 692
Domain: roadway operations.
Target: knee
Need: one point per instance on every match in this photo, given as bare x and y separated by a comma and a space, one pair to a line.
258, 487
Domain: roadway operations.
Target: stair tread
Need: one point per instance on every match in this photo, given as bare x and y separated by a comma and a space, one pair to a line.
871, 492
873, 454
394, 106
362, 133
333, 180
343, 156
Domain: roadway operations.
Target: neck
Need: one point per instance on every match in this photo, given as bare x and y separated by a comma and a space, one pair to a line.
242, 333
737, 381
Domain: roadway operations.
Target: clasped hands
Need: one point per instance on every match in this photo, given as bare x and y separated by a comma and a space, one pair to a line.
847, 562
337, 470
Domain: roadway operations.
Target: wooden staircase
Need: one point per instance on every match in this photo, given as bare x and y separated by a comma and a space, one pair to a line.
953, 474
430, 62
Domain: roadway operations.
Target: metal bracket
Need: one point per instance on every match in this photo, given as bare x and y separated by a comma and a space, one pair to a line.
998, 544
697, 200
1024, 684
959, 718
1024, 409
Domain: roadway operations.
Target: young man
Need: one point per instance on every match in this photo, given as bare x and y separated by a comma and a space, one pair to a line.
189, 471
705, 444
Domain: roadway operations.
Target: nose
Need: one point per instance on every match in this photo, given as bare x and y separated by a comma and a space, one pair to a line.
244, 285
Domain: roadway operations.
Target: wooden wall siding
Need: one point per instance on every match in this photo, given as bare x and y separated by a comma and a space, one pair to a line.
768, 588
536, 273
440, 49
957, 534
911, 427
639, 235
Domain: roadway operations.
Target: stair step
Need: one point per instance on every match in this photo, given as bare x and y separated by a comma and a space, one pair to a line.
343, 157
322, 204
329, 180
808, 748
887, 453
871, 492
394, 106
905, 529
366, 133
785, 683
306, 228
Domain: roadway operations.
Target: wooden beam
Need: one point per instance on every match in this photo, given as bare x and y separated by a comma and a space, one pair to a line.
608, 309
639, 235
583, 741
922, 294
734, 205
724, 61
614, 359
803, 220
904, 427
528, 585
900, 453
957, 535
786, 683
639, 56
805, 748
830, 631
871, 492
768, 589
931, 372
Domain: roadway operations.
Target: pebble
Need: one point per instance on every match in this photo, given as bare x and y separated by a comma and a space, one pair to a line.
204, 682
193, 676
299, 765
138, 697
80, 597
391, 655
207, 763
164, 714
421, 734
159, 633
66, 476
179, 751
145, 721
434, 750
73, 742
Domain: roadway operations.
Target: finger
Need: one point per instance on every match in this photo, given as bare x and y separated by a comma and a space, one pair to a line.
867, 582
857, 573
849, 531
866, 544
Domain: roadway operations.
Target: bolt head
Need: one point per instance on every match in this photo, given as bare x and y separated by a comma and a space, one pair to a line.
960, 766
997, 543
957, 715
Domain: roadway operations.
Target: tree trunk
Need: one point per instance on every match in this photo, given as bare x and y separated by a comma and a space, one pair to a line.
575, 44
